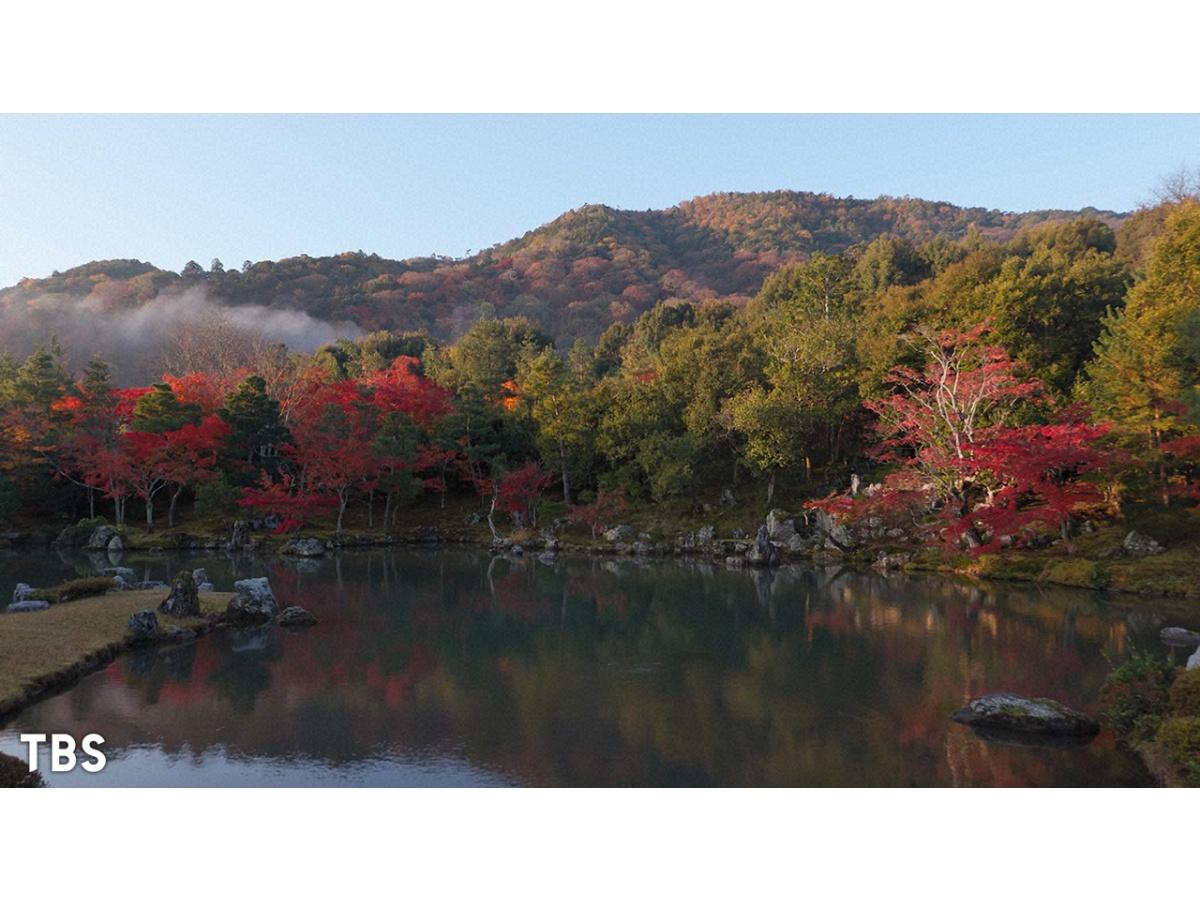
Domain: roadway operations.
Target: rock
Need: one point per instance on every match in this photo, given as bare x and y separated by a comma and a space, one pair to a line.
123, 572
779, 529
739, 534
834, 535
296, 617
1137, 544
727, 498
549, 541
620, 533
27, 606
706, 534
205, 587
1194, 660
501, 544
548, 558
148, 585
306, 547
1012, 712
796, 544
239, 536
116, 544
887, 562
1179, 637
21, 592
255, 587
101, 537
144, 623
762, 552
199, 576
254, 601
182, 600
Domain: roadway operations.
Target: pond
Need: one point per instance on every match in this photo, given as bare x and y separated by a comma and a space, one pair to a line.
447, 667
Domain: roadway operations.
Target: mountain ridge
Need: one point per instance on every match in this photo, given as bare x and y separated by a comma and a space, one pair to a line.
576, 274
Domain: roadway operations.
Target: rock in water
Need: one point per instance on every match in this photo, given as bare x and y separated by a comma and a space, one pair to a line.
1012, 712
27, 606
101, 538
1179, 637
1136, 544
253, 601
144, 623
306, 547
762, 552
296, 617
182, 600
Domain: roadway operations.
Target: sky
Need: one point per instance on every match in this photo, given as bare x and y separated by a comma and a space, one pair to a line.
167, 189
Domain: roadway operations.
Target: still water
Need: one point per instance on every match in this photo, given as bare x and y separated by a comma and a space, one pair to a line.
446, 667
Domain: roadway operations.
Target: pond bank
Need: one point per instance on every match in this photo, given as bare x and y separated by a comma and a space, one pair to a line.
41, 653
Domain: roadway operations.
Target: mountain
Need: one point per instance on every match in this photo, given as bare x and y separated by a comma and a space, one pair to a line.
576, 275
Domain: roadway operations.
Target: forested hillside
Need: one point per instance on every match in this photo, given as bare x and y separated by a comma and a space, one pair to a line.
575, 276
997, 394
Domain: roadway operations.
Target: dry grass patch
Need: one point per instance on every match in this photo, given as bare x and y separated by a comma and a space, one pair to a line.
34, 646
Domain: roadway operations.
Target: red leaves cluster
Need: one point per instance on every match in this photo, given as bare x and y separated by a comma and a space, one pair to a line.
947, 426
602, 513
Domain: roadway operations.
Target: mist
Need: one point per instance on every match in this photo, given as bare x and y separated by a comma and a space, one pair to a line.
173, 332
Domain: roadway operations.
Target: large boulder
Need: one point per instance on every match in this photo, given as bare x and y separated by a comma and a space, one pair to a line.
762, 551
22, 592
706, 534
182, 601
1012, 712
27, 606
296, 617
1137, 544
1194, 660
1179, 637
779, 529
306, 547
834, 535
253, 601
101, 538
620, 533
144, 623
199, 576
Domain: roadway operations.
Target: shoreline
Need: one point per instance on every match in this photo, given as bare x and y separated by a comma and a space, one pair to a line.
1077, 570
26, 688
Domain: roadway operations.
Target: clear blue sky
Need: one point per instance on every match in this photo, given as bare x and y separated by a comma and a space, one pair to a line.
172, 188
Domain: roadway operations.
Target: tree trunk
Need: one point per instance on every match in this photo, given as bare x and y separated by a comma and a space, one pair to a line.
491, 516
371, 508
566, 480
150, 512
770, 488
91, 503
171, 508
387, 509
342, 500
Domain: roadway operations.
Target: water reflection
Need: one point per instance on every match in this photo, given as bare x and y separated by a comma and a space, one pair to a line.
449, 667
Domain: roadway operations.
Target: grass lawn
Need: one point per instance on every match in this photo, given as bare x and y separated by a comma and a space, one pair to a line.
36, 646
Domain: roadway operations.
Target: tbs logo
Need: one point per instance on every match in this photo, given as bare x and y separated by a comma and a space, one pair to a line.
62, 752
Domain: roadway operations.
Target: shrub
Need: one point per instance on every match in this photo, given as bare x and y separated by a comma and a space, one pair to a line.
1185, 694
216, 499
78, 534
74, 590
1179, 739
1135, 694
